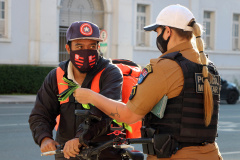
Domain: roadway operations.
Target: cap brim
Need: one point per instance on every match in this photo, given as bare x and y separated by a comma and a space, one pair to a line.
151, 27
90, 38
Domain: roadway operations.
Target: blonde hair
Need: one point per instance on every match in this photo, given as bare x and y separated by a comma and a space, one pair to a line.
208, 97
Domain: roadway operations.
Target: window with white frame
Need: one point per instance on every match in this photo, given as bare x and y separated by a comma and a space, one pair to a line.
2, 18
208, 35
235, 32
142, 38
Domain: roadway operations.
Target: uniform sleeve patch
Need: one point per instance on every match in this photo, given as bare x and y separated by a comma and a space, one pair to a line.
145, 72
214, 83
134, 90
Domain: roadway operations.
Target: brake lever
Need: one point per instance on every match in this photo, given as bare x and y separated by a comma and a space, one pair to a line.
52, 152
125, 146
59, 150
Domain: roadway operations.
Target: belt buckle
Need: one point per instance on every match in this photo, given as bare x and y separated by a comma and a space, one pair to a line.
204, 143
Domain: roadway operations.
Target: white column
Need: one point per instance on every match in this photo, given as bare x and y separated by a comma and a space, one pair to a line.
114, 29
125, 30
43, 32
49, 32
108, 21
34, 31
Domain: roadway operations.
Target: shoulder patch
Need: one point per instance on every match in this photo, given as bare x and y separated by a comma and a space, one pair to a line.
134, 90
145, 72
214, 83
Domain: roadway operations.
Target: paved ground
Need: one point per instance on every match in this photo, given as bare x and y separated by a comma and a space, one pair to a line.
14, 129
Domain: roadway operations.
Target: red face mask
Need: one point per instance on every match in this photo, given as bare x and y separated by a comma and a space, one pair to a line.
84, 60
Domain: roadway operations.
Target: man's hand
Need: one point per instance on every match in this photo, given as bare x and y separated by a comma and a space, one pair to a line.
83, 95
71, 148
48, 144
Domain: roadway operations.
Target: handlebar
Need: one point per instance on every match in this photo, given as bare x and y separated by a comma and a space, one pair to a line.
88, 152
118, 142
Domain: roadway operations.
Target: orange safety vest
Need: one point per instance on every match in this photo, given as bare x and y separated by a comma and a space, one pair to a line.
62, 88
130, 75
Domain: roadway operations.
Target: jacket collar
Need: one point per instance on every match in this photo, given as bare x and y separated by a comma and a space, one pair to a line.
179, 48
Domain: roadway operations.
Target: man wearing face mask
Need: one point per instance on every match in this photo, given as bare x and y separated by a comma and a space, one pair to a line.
83, 66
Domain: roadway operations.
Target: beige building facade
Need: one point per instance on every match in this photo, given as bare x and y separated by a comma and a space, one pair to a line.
33, 31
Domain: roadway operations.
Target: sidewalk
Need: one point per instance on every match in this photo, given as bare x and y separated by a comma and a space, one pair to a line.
17, 98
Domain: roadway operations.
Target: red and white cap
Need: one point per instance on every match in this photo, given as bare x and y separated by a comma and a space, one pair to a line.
176, 16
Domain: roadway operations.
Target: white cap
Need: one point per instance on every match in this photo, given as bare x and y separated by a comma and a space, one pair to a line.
176, 16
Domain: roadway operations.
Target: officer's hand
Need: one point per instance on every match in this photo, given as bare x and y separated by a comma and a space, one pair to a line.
71, 148
83, 95
48, 144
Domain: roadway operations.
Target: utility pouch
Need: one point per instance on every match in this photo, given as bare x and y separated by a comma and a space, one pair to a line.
164, 145
148, 133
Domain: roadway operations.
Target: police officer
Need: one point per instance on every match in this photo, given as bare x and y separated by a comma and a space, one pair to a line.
83, 66
182, 78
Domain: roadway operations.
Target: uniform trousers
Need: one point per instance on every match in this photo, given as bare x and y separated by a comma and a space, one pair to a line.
207, 152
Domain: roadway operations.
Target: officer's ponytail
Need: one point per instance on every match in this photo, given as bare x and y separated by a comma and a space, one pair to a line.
208, 98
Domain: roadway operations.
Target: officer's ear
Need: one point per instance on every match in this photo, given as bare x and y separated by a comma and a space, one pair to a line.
168, 31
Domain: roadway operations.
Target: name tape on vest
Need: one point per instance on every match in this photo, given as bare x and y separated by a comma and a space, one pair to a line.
214, 83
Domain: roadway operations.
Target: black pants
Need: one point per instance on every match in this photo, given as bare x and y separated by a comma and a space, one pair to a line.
107, 154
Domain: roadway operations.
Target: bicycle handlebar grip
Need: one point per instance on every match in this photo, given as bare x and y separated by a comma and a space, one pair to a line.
84, 113
140, 140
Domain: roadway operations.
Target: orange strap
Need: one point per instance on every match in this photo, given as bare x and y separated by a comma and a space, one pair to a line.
61, 88
95, 82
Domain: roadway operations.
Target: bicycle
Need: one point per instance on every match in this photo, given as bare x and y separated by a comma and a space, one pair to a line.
92, 153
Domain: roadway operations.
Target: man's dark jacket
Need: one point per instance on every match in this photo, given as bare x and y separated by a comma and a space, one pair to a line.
47, 107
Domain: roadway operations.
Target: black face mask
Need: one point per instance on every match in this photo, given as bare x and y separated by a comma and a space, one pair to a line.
162, 43
84, 60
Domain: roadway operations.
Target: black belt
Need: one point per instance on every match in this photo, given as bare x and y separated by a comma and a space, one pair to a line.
187, 144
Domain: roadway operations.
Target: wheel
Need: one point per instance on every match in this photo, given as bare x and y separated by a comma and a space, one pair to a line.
233, 97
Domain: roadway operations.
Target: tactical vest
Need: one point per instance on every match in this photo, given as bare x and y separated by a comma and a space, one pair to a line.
184, 115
